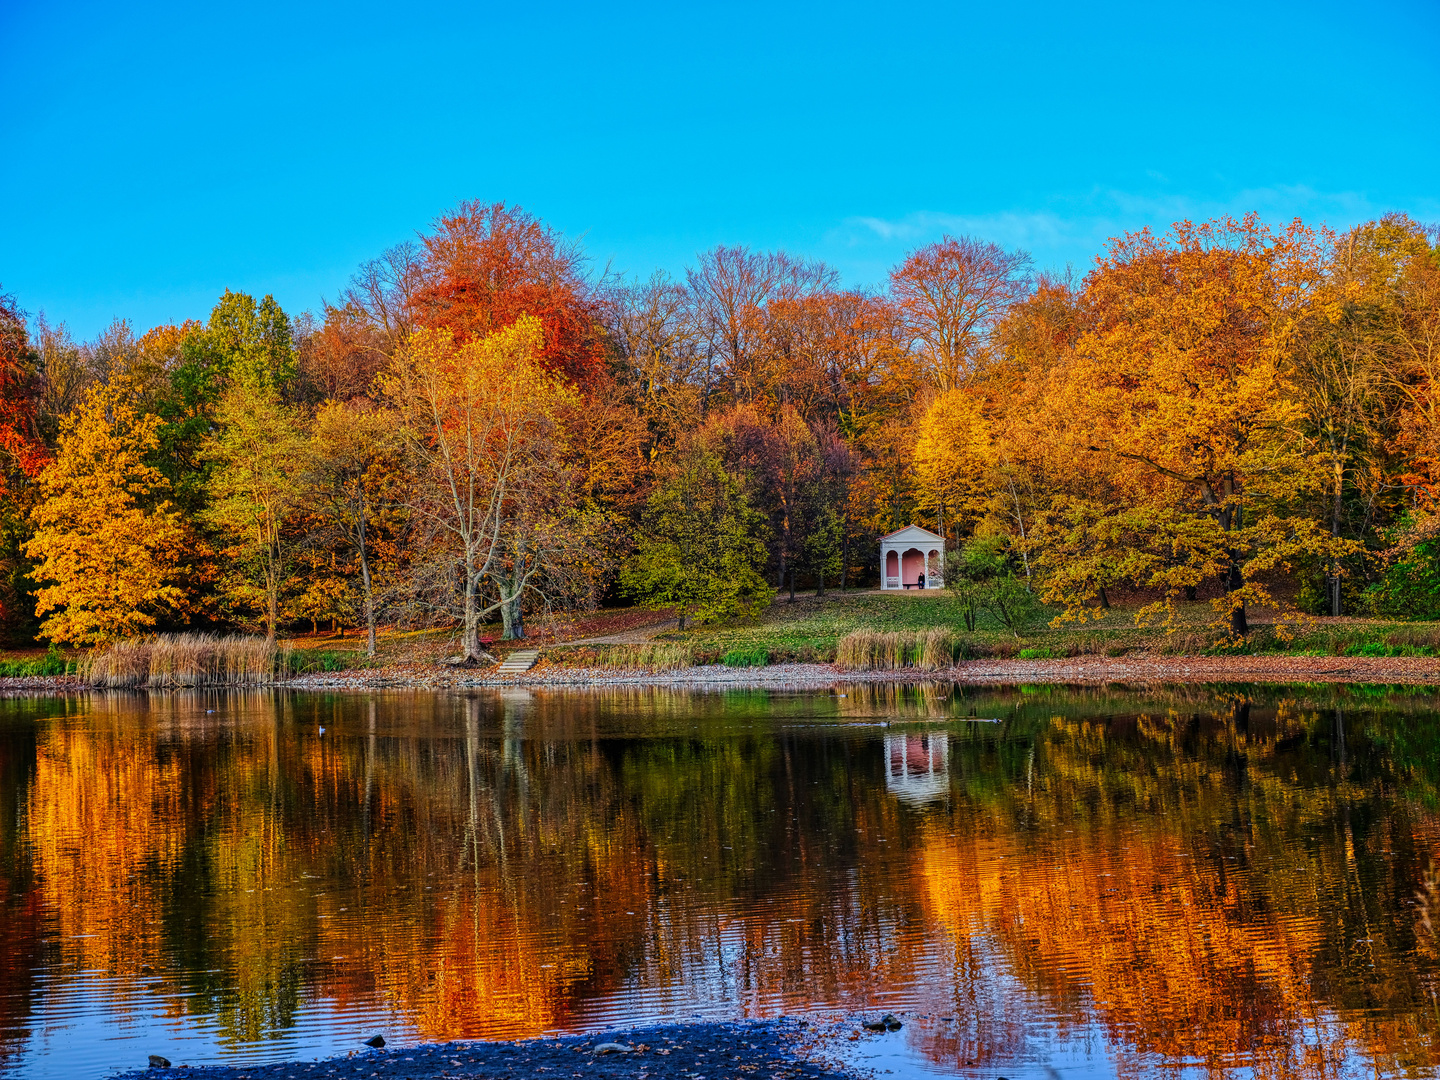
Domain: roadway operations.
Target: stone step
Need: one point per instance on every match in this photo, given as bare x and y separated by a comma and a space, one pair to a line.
518, 661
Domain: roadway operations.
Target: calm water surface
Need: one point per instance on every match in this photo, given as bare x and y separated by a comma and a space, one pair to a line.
1088, 882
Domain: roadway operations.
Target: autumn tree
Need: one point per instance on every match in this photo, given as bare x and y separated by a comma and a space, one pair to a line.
258, 456
700, 547
481, 421
385, 292
730, 290
954, 456
64, 375
486, 264
1180, 383
21, 451
352, 476
952, 295
111, 545
1340, 380
657, 354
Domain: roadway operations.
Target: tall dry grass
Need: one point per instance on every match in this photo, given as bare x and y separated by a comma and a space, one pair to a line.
871, 650
648, 656
176, 660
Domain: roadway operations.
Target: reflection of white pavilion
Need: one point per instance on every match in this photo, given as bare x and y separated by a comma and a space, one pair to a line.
917, 767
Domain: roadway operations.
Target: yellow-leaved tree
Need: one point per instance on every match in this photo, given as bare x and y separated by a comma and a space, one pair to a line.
482, 423
112, 548
953, 457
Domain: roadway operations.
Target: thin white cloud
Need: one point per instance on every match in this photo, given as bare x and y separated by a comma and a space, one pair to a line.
1075, 230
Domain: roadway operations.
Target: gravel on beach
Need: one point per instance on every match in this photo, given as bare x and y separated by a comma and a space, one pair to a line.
746, 1050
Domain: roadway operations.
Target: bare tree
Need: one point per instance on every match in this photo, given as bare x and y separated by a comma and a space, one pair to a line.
64, 374
384, 291
728, 294
953, 294
658, 348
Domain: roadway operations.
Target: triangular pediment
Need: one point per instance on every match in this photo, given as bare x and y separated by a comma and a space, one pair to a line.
913, 534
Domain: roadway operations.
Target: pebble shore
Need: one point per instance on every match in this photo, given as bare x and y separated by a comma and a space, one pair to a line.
783, 1049
1078, 670
1075, 670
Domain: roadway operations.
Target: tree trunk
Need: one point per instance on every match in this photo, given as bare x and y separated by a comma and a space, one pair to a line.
1104, 600
365, 585
845, 554
511, 617
1191, 593
792, 584
369, 606
1238, 625
472, 616
1334, 576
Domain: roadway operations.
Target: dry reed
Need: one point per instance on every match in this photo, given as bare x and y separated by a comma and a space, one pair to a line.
649, 656
164, 661
870, 650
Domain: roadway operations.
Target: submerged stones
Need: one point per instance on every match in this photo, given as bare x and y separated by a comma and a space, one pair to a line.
158, 1062
375, 1041
888, 1022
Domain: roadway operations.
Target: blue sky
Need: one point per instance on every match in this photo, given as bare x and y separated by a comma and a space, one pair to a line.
158, 154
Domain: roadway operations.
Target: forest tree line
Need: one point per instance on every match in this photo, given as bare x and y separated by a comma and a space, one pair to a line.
480, 429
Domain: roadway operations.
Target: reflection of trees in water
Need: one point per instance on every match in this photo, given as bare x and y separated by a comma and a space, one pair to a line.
491, 865
1208, 887
20, 923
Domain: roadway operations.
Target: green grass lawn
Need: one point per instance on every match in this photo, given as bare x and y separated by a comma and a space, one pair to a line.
809, 629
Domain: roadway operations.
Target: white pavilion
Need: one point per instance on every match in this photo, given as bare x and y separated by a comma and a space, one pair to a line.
912, 558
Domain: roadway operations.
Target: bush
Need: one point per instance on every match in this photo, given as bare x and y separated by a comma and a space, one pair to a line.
1410, 588
51, 664
746, 658
982, 575
309, 662
1036, 654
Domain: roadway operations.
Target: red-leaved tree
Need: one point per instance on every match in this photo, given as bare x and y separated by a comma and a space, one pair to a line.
485, 265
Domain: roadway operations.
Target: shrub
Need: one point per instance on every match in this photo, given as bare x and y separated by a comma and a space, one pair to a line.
308, 661
52, 663
1036, 654
751, 657
1410, 588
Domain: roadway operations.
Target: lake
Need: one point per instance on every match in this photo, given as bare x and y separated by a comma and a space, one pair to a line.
1094, 882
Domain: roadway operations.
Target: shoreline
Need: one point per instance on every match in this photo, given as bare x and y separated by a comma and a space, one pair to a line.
1078, 670
786, 1048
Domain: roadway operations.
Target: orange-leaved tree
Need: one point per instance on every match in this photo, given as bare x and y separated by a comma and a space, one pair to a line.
954, 455
353, 476
1180, 383
112, 549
